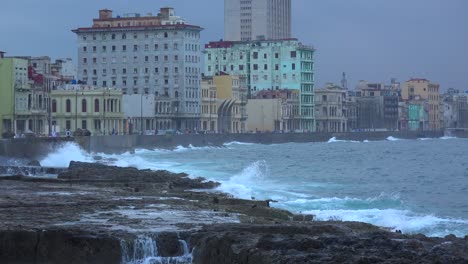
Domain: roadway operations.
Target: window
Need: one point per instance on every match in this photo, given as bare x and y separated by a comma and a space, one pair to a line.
94, 48
113, 36
83, 124
124, 71
293, 54
94, 60
124, 48
176, 57
113, 48
135, 47
166, 46
68, 124
85, 60
124, 36
255, 67
54, 106
85, 49
68, 106
83, 106
265, 67
265, 55
146, 58
96, 105
255, 55
277, 67
293, 66
241, 67
156, 46
276, 55
165, 34
104, 48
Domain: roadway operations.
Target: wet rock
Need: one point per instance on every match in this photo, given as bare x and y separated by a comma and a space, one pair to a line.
320, 242
57, 246
169, 245
92, 172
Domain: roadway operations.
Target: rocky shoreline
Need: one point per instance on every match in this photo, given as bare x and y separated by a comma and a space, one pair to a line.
93, 213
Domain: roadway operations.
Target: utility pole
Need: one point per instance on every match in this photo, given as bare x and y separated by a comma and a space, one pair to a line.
76, 109
141, 113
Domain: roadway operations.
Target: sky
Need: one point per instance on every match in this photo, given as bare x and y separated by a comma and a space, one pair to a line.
373, 40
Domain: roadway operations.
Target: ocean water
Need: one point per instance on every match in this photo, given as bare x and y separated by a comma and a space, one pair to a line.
417, 186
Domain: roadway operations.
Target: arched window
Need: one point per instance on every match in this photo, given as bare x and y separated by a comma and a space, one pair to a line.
83, 106
96, 105
176, 94
54, 106
68, 106
112, 105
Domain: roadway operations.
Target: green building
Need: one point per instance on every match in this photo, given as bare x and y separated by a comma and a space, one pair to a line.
268, 65
14, 95
417, 117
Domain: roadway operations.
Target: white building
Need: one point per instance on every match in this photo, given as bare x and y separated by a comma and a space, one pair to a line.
146, 54
252, 19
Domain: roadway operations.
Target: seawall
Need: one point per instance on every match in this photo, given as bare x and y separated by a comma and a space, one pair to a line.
35, 148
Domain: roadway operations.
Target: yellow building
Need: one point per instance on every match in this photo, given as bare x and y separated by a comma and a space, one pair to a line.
422, 89
232, 101
209, 109
98, 110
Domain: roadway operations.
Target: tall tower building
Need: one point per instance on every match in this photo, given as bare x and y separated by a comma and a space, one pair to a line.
246, 20
149, 55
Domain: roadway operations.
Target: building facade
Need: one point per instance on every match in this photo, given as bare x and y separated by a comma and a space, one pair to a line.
330, 105
455, 106
98, 110
246, 20
24, 103
231, 103
284, 116
158, 55
209, 106
422, 89
268, 65
139, 111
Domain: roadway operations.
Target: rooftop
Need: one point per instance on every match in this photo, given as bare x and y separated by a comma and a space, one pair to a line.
228, 44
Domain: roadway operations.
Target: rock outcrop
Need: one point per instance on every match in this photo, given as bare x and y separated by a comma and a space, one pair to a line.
95, 213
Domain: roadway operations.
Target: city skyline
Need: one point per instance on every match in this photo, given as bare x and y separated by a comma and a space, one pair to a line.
373, 41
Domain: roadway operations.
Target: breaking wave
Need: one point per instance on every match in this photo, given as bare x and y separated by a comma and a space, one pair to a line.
244, 184
62, 156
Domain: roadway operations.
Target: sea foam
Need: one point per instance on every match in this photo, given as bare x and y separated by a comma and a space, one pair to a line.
62, 156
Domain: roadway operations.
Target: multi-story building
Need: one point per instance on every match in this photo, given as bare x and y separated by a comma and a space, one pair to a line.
330, 105
24, 103
209, 108
139, 111
98, 110
377, 105
146, 54
246, 20
455, 106
351, 110
231, 103
273, 64
422, 89
274, 110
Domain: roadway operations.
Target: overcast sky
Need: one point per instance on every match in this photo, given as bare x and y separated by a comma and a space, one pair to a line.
373, 40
